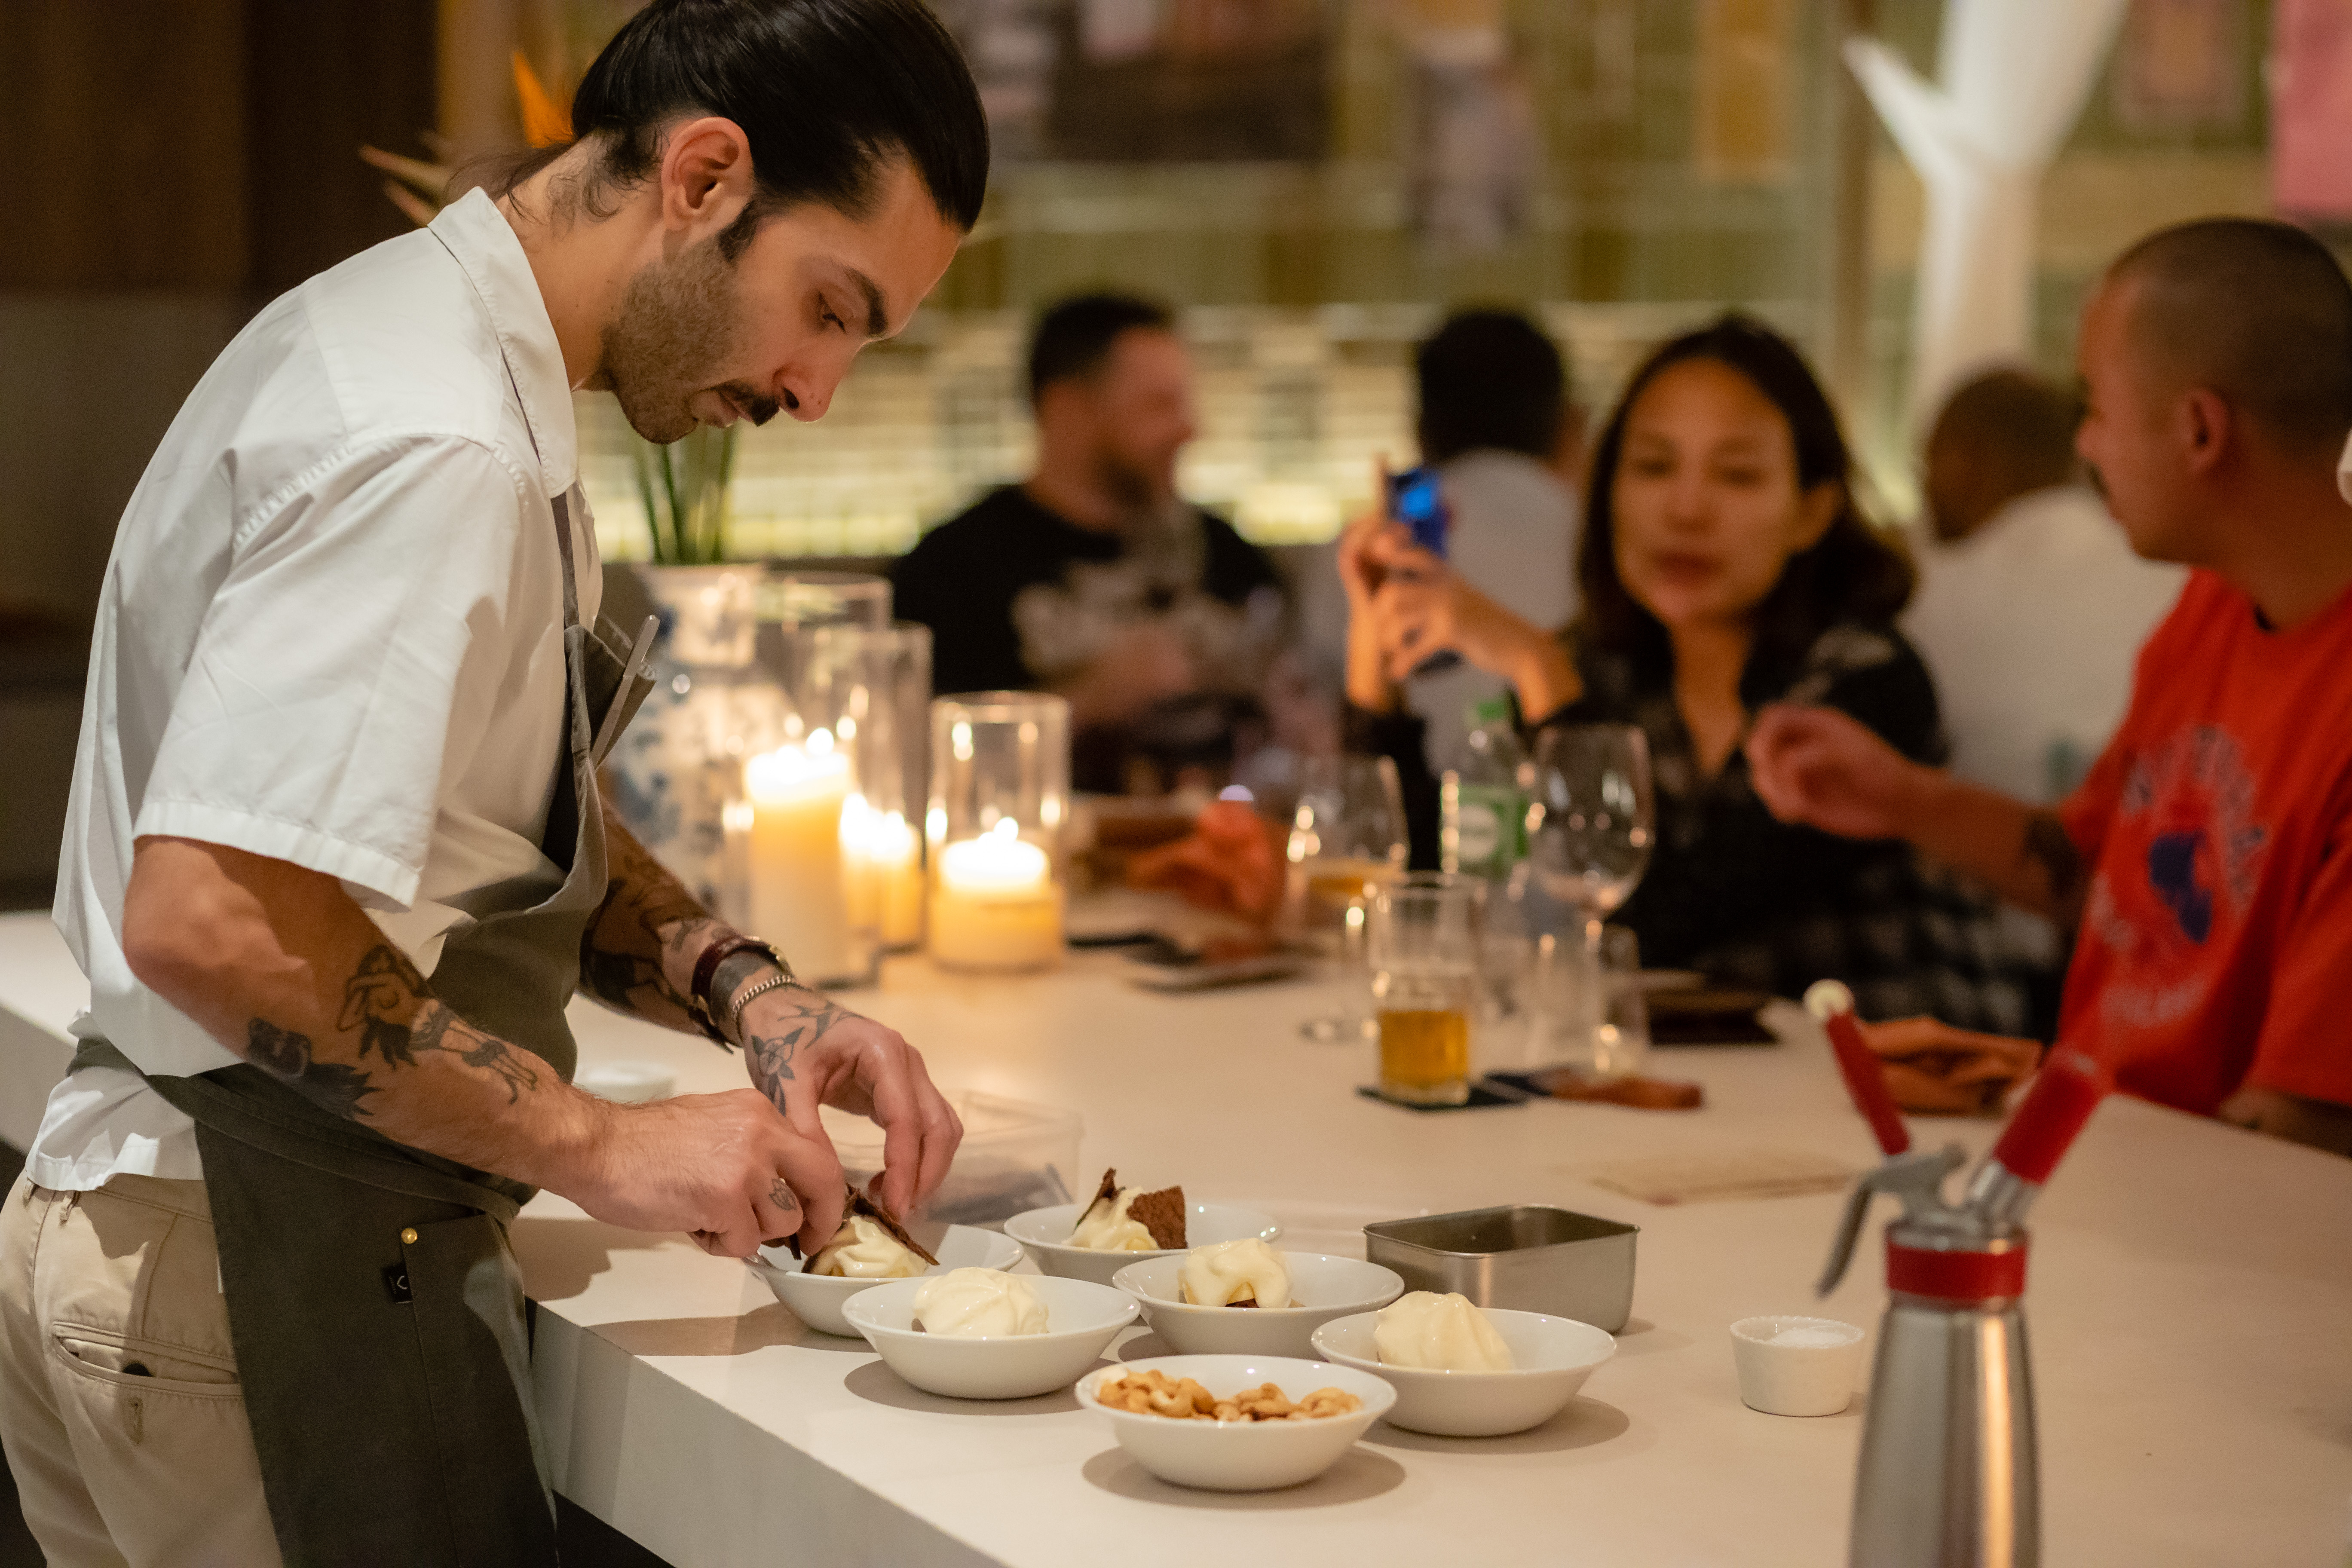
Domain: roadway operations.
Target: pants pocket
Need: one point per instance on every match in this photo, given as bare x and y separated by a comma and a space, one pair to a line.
141, 1366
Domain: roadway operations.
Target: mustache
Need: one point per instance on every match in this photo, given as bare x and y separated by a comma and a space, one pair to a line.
757, 405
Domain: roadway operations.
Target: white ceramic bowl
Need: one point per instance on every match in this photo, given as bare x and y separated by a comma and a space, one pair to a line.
1081, 1319
1322, 1288
1796, 1380
1243, 1455
816, 1299
1044, 1235
1551, 1357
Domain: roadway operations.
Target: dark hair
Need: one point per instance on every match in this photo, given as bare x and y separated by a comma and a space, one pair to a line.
1489, 379
1075, 337
2255, 309
2013, 423
1850, 574
826, 92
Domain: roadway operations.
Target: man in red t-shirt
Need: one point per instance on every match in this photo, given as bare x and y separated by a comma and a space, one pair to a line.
2201, 864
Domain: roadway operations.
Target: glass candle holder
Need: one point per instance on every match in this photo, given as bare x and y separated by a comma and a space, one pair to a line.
791, 606
872, 689
1000, 796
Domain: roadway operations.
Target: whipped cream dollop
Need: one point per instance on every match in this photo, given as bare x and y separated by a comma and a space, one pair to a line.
1438, 1333
978, 1303
1106, 1226
1224, 1272
862, 1249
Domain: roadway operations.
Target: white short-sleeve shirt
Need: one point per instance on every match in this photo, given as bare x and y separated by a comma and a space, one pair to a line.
332, 633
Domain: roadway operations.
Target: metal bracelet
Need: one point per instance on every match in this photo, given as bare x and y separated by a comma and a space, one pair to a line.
743, 999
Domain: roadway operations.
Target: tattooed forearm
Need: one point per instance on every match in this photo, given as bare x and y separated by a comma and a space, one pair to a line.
398, 1021
2049, 847
641, 944
286, 1056
791, 1019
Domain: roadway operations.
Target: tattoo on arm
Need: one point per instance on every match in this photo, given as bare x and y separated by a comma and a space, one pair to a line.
642, 934
331, 1086
769, 1050
397, 1019
2048, 846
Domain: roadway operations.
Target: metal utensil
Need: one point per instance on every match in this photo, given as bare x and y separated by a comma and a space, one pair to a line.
1949, 1476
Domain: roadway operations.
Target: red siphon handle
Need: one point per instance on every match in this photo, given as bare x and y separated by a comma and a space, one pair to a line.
1832, 1004
2064, 1093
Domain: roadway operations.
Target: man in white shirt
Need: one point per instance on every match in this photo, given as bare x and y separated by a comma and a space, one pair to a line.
1496, 422
2032, 606
336, 859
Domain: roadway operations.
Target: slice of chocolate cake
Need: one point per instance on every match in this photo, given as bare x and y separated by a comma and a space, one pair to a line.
1161, 1213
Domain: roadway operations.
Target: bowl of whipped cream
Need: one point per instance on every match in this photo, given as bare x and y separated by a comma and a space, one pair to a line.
1095, 1241
982, 1333
862, 1255
1245, 1298
1464, 1371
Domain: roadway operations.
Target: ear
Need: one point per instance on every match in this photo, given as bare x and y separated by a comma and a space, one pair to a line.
706, 177
1816, 509
2206, 428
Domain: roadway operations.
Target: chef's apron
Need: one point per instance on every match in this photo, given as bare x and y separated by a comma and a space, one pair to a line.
374, 1304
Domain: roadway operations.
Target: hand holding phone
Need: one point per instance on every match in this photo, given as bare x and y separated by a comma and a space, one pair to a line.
1416, 501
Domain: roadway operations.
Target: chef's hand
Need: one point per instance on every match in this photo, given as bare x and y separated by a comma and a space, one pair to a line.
804, 1050
725, 1168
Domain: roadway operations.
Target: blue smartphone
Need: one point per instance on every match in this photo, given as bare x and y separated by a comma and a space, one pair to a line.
1415, 500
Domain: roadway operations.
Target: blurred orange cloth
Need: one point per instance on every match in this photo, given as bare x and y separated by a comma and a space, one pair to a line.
1227, 863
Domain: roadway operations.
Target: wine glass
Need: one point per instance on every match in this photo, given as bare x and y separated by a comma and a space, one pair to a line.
1346, 841
1590, 824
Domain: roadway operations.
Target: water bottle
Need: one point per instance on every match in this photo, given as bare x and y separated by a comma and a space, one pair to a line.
1482, 820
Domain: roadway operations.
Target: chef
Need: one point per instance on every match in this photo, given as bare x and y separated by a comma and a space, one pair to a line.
336, 859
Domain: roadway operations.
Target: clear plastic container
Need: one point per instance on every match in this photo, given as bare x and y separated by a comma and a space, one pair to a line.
1015, 1156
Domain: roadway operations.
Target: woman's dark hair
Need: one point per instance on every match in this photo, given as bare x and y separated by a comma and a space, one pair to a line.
825, 90
1489, 379
1851, 574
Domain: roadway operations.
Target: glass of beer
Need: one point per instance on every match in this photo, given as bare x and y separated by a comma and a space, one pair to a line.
1347, 840
1423, 946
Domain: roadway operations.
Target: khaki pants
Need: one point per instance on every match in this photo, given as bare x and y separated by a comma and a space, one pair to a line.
119, 1407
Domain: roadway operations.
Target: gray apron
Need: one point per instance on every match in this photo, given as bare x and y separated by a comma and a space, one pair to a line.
374, 1304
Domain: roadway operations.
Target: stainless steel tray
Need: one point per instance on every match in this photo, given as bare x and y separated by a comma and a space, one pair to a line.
1525, 1256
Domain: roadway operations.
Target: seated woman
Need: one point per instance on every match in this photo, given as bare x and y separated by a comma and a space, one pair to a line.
1724, 566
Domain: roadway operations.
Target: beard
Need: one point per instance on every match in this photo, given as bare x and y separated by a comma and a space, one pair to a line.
666, 341
1138, 486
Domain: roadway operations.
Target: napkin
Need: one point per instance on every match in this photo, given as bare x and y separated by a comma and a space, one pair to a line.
1733, 1174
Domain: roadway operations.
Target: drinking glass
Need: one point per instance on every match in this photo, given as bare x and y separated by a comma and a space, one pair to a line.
1603, 1036
1422, 947
1346, 839
1590, 824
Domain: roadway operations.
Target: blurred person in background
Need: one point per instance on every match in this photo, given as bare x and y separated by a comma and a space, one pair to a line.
1724, 565
1495, 420
1093, 578
2204, 864
2032, 606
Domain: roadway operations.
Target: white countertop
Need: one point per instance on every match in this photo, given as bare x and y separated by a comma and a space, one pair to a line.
2190, 1304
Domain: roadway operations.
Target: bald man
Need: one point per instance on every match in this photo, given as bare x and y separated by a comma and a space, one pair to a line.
2032, 606
2204, 861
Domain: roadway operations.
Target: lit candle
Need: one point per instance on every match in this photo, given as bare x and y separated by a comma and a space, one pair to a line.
885, 873
996, 905
799, 896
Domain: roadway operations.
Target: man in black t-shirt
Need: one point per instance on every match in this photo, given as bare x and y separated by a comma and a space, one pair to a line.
1093, 579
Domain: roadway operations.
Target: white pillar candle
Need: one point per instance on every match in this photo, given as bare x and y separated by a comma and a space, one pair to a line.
885, 866
995, 904
799, 896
